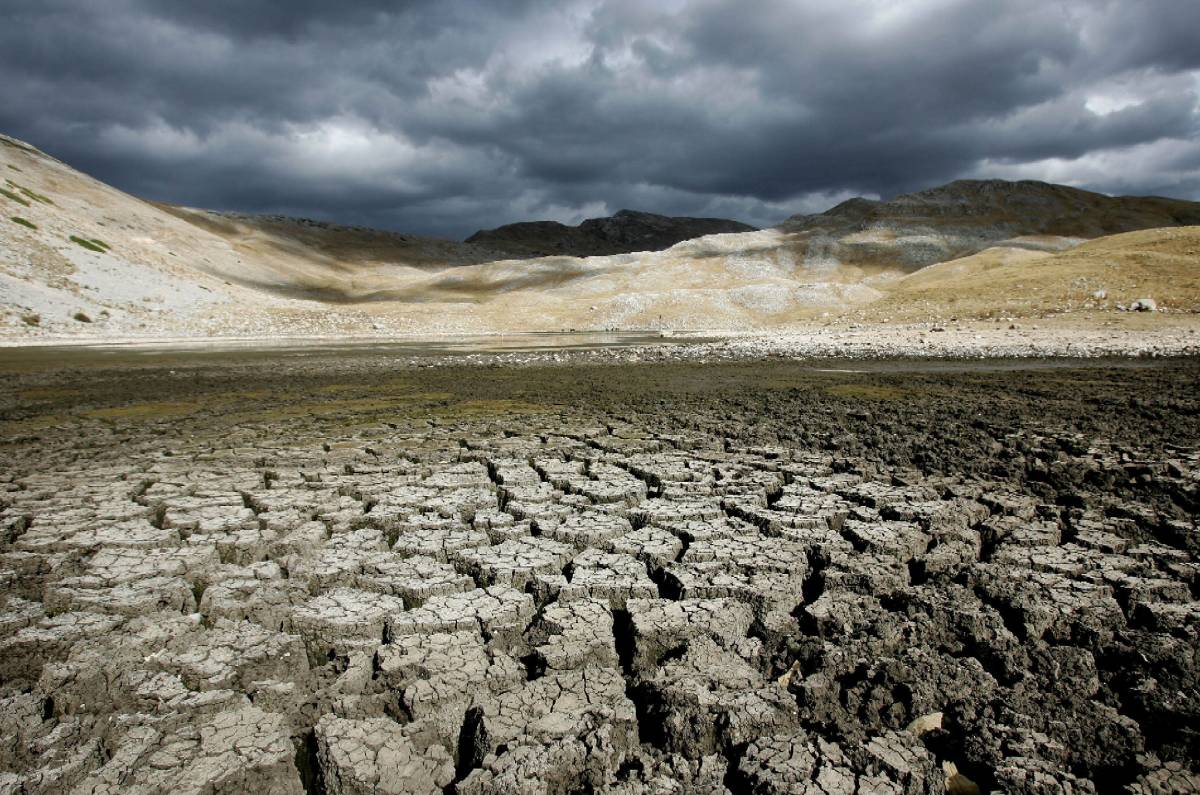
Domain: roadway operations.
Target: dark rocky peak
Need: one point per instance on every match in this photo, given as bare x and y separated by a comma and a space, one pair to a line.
1025, 207
624, 231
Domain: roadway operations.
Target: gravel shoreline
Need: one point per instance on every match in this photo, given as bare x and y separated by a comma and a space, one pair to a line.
849, 344
870, 344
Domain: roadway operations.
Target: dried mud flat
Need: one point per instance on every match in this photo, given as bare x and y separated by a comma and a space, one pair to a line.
341, 575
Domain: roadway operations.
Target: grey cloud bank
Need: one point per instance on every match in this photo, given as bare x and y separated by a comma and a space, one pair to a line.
445, 117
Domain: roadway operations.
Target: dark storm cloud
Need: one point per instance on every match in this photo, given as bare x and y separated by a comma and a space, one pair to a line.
449, 115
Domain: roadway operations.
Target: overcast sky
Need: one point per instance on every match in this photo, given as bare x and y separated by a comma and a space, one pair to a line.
446, 116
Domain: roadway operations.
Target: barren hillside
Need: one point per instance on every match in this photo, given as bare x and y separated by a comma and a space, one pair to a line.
82, 259
1104, 274
968, 216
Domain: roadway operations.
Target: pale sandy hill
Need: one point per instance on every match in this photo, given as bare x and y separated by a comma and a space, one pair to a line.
81, 259
326, 260
1102, 274
78, 257
744, 280
147, 269
137, 267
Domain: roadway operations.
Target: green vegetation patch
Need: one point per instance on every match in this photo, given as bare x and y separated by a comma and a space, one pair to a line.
91, 245
16, 219
143, 411
44, 393
12, 429
469, 409
37, 197
402, 405
8, 194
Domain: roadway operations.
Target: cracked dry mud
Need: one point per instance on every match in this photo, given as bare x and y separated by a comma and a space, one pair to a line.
346, 577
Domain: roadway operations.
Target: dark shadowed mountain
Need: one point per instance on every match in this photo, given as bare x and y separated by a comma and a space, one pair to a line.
623, 232
967, 216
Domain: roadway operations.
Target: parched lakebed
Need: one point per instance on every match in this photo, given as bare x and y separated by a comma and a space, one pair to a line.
355, 574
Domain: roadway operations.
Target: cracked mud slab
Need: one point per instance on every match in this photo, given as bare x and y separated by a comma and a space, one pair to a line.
349, 576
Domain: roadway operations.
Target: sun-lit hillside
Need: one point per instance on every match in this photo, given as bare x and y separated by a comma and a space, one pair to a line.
148, 265
152, 270
82, 259
1102, 274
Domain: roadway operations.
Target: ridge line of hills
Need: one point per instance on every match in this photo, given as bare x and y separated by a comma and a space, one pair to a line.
622, 232
76, 248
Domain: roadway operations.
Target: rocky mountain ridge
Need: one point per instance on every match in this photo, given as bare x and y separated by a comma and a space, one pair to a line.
965, 217
623, 232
